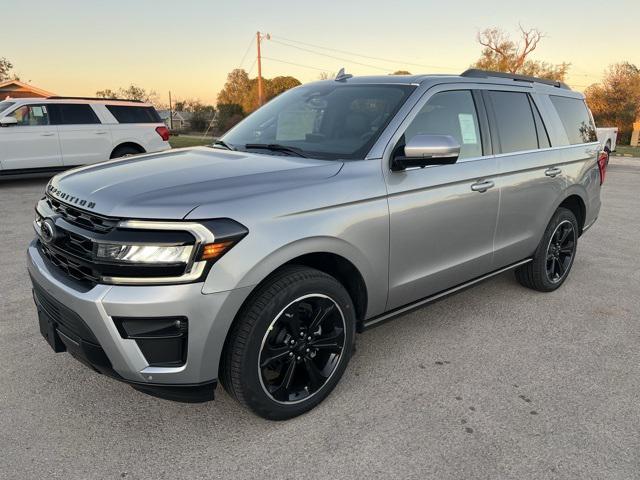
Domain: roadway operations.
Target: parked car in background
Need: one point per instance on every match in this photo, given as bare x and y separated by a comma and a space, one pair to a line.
56, 133
335, 207
607, 136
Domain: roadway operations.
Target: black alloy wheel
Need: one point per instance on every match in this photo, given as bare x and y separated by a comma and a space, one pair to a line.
560, 251
301, 349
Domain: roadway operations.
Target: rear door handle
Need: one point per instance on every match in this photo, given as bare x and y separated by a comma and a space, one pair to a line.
482, 186
101, 132
552, 172
47, 134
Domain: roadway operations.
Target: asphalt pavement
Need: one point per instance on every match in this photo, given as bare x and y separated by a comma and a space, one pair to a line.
497, 382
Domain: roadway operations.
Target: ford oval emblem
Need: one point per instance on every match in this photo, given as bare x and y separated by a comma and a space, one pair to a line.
48, 231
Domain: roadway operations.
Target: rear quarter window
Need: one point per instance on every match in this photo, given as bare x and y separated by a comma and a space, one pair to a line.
134, 114
575, 119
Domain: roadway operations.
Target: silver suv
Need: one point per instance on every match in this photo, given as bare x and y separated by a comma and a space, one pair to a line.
336, 206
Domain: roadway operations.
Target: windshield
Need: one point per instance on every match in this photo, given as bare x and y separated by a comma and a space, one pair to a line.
326, 120
5, 105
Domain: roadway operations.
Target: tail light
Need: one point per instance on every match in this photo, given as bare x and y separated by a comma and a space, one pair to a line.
163, 132
603, 160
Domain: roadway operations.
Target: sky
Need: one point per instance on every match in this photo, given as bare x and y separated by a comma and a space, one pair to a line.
73, 47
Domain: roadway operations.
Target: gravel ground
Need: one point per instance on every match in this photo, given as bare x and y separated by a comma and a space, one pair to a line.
495, 382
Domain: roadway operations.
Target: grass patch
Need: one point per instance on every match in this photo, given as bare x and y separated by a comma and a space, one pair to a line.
627, 150
189, 141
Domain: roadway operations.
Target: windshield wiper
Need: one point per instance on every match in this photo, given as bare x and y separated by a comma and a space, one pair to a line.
275, 147
220, 143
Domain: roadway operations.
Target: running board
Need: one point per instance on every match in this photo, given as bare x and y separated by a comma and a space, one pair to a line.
375, 321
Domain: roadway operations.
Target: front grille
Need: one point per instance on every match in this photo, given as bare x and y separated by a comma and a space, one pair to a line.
82, 218
66, 320
69, 265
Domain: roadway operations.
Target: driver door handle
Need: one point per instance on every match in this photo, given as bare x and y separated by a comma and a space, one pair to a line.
482, 186
47, 134
552, 172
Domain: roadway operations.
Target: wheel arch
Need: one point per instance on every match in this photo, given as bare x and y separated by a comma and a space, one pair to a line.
575, 203
134, 145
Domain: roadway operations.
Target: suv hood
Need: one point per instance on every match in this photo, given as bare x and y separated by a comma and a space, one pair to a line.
169, 185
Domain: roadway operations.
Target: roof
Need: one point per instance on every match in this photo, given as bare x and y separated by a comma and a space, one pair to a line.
470, 76
25, 86
54, 99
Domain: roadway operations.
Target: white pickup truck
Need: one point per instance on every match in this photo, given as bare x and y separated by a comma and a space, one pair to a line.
607, 137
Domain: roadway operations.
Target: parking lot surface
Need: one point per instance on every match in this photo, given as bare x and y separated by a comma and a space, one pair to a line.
495, 382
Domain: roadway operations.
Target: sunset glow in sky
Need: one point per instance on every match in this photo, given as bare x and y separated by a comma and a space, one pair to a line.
74, 47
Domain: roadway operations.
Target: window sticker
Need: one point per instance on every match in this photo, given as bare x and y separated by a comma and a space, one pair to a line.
467, 128
37, 111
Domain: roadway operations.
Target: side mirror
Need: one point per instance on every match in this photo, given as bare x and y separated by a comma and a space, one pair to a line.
8, 121
423, 150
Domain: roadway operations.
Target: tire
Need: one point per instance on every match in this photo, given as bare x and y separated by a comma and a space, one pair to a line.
275, 361
124, 151
551, 264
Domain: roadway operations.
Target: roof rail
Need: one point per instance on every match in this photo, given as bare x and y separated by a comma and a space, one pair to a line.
56, 97
476, 73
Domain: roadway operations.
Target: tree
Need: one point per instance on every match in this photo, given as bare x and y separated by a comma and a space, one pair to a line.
228, 114
201, 116
235, 88
501, 54
401, 72
616, 100
133, 92
5, 70
241, 90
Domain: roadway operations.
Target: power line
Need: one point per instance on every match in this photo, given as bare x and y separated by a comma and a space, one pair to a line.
397, 62
246, 52
296, 64
331, 56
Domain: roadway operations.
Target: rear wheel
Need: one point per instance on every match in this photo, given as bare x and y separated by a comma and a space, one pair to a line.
290, 345
554, 256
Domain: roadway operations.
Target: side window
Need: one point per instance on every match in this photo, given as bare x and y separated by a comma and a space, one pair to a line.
543, 136
130, 114
575, 118
72, 114
514, 121
450, 113
31, 115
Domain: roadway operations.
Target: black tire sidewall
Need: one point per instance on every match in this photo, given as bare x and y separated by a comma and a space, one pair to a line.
253, 393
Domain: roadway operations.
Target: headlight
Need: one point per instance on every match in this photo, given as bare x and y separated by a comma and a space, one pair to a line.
144, 253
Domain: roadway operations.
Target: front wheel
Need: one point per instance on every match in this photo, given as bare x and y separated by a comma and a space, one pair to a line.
554, 256
290, 344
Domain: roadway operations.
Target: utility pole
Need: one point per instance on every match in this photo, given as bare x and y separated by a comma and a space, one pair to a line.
170, 112
259, 37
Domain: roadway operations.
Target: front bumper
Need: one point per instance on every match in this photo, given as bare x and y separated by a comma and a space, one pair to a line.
209, 317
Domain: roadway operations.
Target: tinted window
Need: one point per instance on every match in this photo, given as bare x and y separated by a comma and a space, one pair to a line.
31, 115
327, 120
575, 119
72, 114
450, 113
5, 105
514, 121
130, 114
541, 130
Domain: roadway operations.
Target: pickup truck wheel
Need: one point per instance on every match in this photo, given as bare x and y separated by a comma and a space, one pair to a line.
290, 344
554, 256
